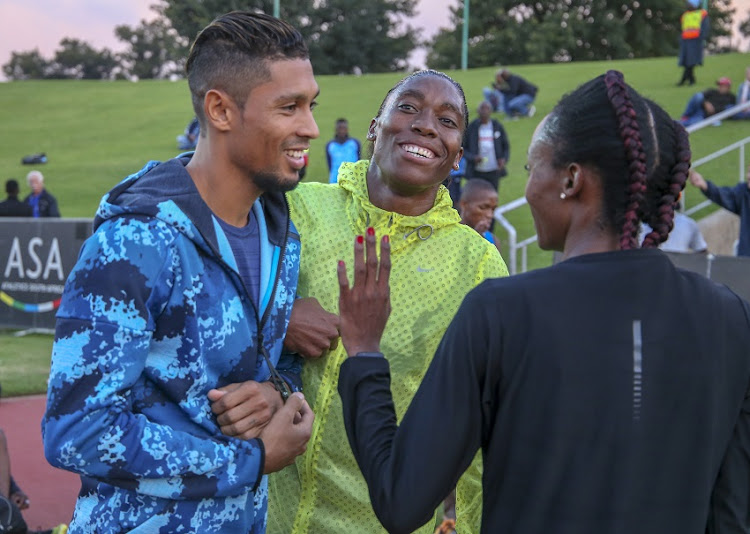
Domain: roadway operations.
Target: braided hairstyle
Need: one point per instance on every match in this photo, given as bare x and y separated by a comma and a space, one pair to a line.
640, 153
667, 180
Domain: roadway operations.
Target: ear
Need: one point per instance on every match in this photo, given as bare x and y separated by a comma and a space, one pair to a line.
458, 158
573, 180
372, 130
219, 109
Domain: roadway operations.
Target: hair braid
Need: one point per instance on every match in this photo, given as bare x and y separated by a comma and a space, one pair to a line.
630, 133
662, 219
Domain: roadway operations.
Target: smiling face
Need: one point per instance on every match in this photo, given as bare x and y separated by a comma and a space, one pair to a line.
276, 125
418, 135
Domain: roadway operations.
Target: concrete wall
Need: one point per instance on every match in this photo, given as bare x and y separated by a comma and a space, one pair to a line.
721, 230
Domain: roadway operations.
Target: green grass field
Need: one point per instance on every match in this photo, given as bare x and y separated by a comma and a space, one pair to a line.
96, 133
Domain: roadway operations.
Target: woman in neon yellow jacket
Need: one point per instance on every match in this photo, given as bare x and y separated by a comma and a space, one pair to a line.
416, 139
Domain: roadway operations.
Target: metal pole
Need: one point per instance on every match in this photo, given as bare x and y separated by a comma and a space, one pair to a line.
465, 38
276, 8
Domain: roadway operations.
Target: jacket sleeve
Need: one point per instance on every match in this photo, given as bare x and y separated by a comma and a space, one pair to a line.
54, 211
504, 143
470, 145
729, 508
407, 475
727, 197
121, 284
290, 369
491, 265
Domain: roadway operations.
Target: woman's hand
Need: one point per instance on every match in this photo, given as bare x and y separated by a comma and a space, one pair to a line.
364, 308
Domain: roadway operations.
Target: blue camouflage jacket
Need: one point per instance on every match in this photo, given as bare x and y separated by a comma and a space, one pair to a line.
153, 316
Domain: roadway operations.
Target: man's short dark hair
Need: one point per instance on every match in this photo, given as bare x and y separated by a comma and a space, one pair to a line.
11, 187
230, 54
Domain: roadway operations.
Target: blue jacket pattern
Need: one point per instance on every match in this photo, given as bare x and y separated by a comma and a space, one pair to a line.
153, 316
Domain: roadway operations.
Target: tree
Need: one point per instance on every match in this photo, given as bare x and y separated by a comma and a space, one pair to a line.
155, 50
341, 34
76, 59
26, 66
512, 31
745, 26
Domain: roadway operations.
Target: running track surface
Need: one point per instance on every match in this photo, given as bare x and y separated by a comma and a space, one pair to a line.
52, 491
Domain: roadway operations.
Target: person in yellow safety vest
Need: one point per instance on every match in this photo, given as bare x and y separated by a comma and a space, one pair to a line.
694, 24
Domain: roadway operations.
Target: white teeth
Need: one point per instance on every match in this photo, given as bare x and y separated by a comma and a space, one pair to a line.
294, 153
419, 151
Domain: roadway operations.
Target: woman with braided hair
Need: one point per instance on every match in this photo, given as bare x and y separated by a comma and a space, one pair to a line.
608, 393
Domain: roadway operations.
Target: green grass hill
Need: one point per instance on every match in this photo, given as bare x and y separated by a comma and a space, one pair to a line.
96, 133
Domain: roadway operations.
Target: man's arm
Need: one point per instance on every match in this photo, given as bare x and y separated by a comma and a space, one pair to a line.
103, 339
504, 143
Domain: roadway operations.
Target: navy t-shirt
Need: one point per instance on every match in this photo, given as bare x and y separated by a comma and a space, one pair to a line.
245, 243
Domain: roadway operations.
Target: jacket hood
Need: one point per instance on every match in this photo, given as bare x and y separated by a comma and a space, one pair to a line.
353, 179
165, 190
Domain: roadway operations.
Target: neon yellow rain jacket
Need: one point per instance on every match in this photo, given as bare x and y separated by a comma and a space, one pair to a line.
435, 262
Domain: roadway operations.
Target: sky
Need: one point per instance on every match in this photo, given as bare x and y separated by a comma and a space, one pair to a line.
29, 24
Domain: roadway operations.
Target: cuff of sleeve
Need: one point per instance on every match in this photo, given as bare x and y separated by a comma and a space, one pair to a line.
262, 467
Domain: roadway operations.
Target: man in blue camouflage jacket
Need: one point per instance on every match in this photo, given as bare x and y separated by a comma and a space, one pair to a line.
182, 297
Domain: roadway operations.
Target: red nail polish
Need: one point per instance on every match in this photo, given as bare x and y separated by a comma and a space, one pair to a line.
386, 239
360, 239
341, 263
371, 231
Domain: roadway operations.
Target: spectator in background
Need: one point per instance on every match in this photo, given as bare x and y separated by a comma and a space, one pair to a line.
11, 206
341, 149
486, 147
42, 203
189, 139
709, 102
512, 94
477, 208
743, 96
684, 237
733, 198
694, 25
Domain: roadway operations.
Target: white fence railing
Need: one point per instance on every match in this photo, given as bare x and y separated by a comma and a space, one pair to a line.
513, 245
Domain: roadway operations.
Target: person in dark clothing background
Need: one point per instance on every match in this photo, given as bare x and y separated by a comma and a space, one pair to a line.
694, 28
11, 206
512, 94
608, 393
42, 203
733, 198
709, 102
486, 147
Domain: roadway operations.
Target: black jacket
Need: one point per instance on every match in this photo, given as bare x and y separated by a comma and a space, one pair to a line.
517, 86
471, 146
12, 207
47, 204
608, 394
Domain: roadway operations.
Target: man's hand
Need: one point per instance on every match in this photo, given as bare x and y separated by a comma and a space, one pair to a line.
286, 435
20, 499
364, 308
697, 180
312, 330
709, 108
242, 410
501, 163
